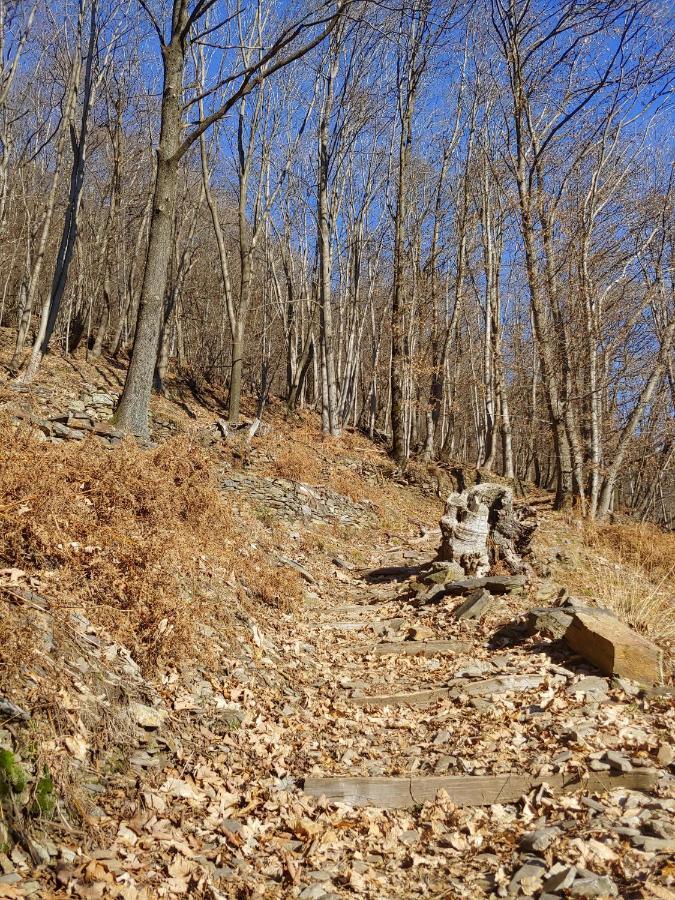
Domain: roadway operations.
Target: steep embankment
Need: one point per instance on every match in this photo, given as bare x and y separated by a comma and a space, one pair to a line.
211, 665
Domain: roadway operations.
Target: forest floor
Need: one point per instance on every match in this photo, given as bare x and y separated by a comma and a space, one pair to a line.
193, 655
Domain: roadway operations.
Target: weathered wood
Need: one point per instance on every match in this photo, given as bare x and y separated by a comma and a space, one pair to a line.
414, 698
467, 790
614, 647
480, 527
421, 648
458, 687
501, 684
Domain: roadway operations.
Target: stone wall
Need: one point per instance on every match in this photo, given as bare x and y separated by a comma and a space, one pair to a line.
291, 500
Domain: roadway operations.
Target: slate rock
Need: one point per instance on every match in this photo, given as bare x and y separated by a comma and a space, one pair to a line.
312, 892
147, 716
533, 868
666, 755
476, 605
594, 886
551, 622
618, 761
560, 878
654, 844
539, 840
591, 685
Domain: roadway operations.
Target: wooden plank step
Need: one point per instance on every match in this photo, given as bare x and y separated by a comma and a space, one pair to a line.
467, 790
458, 687
415, 698
421, 648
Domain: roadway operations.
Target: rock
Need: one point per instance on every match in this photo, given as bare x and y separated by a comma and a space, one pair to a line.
595, 886
630, 688
614, 647
419, 633
9, 710
552, 622
666, 755
105, 429
99, 398
480, 527
539, 840
80, 421
591, 686
560, 878
66, 433
38, 852
654, 844
475, 606
147, 716
312, 892
618, 761
534, 869
592, 804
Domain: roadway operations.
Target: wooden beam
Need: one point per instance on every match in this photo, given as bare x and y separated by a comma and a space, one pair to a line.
415, 698
421, 648
467, 790
458, 687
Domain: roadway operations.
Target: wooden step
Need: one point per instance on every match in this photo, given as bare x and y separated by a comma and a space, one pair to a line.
458, 687
467, 790
415, 698
421, 648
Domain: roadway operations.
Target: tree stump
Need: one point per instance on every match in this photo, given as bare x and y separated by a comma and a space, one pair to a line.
480, 528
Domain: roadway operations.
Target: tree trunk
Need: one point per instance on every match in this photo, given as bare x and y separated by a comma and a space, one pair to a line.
132, 413
52, 305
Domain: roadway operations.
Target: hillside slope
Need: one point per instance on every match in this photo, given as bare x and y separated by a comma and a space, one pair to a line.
194, 634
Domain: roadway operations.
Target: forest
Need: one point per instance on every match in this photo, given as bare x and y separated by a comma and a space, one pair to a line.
446, 224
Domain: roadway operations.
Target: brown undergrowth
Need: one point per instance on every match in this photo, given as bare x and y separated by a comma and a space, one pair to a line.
628, 568
141, 540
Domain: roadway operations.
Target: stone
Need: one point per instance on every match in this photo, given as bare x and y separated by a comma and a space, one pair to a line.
665, 755
147, 716
591, 685
654, 844
80, 421
9, 710
312, 892
594, 886
533, 869
614, 648
539, 840
419, 633
552, 622
661, 828
476, 605
618, 761
630, 688
99, 398
592, 804
560, 878
66, 433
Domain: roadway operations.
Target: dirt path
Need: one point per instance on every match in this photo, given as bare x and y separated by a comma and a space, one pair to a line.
227, 801
540, 716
